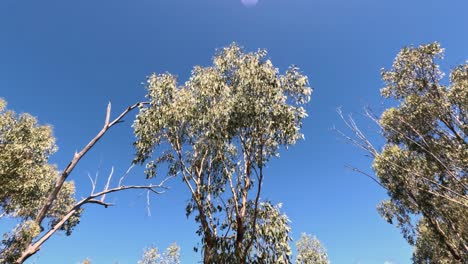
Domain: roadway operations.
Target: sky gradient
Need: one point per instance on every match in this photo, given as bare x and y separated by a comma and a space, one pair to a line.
62, 61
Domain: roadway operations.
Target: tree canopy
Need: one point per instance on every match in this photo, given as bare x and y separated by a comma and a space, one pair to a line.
310, 251
424, 161
217, 131
26, 177
170, 256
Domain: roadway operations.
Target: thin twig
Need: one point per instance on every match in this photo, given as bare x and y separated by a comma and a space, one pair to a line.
108, 182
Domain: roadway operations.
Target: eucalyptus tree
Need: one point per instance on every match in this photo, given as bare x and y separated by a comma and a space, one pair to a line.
153, 256
34, 192
26, 177
217, 132
310, 251
424, 161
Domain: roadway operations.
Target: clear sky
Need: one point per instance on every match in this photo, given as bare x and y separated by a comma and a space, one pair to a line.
64, 60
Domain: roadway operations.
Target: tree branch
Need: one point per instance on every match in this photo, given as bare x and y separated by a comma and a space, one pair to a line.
77, 157
257, 198
91, 199
33, 248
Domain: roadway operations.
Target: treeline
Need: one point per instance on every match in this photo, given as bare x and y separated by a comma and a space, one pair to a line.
219, 130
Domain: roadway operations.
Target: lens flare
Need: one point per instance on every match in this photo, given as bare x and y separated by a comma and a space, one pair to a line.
249, 3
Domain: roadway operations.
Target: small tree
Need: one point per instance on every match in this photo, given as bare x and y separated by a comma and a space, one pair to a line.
424, 162
170, 256
310, 251
218, 131
34, 191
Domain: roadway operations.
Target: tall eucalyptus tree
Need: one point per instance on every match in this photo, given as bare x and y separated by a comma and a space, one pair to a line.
423, 164
218, 131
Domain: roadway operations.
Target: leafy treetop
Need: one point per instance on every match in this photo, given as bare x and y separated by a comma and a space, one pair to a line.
218, 131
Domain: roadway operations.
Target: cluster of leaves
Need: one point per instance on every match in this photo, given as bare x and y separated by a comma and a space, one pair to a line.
26, 178
310, 251
272, 241
424, 161
15, 242
271, 238
218, 131
170, 256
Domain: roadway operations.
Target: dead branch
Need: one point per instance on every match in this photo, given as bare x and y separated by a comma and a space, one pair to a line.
77, 157
33, 248
91, 199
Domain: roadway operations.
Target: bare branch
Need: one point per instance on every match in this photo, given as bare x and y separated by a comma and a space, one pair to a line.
108, 113
148, 203
362, 142
33, 248
100, 202
77, 157
93, 183
125, 174
108, 182
366, 174
91, 199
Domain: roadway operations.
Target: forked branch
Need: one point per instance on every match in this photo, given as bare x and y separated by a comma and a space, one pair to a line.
43, 211
94, 198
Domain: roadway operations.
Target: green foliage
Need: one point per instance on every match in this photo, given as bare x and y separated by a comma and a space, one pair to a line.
428, 248
424, 161
217, 131
241, 95
272, 238
170, 256
16, 241
310, 251
26, 178
25, 175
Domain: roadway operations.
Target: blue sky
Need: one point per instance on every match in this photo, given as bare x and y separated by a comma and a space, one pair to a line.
63, 61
